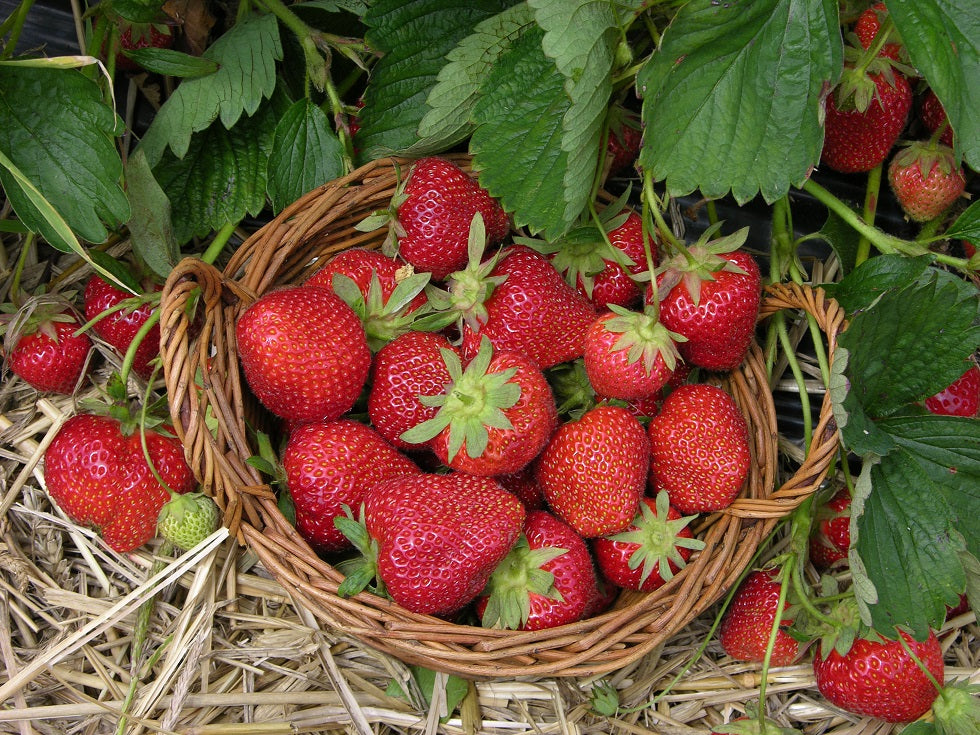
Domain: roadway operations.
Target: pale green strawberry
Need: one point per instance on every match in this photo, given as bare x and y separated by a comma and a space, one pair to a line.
186, 520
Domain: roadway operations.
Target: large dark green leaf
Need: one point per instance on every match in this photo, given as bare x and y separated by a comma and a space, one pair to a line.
731, 101
58, 131
151, 226
860, 288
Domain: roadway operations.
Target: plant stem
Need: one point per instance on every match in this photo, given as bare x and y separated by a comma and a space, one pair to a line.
871, 192
15, 25
218, 243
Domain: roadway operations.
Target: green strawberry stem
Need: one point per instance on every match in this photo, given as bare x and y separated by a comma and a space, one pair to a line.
218, 242
15, 293
871, 192
652, 202
13, 26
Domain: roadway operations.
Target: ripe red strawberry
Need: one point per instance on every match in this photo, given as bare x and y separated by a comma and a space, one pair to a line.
878, 678
304, 353
699, 448
548, 579
439, 537
42, 348
960, 398
494, 416
522, 304
331, 464
861, 128
141, 35
97, 473
625, 138
748, 620
868, 25
120, 327
933, 116
434, 212
406, 369
710, 296
593, 471
525, 487
926, 180
630, 354
831, 535
648, 552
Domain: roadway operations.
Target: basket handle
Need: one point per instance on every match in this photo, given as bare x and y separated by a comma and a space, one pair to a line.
198, 309
831, 319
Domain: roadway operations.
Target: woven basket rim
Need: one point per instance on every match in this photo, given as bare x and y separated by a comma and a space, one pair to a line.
208, 393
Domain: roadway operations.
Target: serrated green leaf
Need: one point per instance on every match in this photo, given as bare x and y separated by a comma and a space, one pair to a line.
57, 130
859, 434
138, 11
222, 177
305, 154
458, 83
246, 54
413, 39
860, 288
967, 225
172, 63
943, 41
910, 345
734, 95
150, 228
516, 146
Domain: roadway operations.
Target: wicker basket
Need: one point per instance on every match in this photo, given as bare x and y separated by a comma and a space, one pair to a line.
214, 415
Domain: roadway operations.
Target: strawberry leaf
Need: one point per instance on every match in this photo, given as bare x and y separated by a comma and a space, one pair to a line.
967, 225
866, 283
246, 56
305, 153
56, 128
413, 39
734, 92
150, 227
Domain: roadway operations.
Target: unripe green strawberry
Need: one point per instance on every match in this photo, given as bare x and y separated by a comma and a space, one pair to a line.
186, 520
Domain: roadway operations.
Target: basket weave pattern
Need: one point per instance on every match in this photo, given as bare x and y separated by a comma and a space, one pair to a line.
214, 415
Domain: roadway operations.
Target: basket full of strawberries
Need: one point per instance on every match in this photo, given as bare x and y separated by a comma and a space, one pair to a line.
478, 451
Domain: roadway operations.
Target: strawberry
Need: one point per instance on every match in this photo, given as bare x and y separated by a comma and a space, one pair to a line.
625, 138
433, 212
141, 35
699, 448
304, 353
525, 487
830, 539
925, 179
630, 354
593, 470
186, 520
548, 579
960, 398
494, 416
97, 473
42, 347
878, 678
121, 315
710, 295
933, 116
869, 24
521, 303
405, 370
439, 537
865, 114
748, 620
648, 552
332, 464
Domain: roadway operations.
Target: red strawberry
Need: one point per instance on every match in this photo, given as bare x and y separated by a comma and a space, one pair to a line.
861, 127
748, 620
98, 475
439, 537
332, 464
548, 579
141, 35
625, 138
960, 398
831, 536
434, 213
120, 326
593, 471
933, 116
699, 448
494, 417
926, 180
648, 552
43, 349
868, 25
878, 678
304, 353
520, 303
406, 369
710, 295
630, 354
525, 487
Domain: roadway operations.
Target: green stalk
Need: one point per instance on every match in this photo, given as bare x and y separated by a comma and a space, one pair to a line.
14, 25
19, 268
316, 66
872, 190
650, 196
218, 243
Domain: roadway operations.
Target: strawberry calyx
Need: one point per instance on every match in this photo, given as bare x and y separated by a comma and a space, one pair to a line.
186, 520
36, 315
361, 570
658, 540
513, 581
644, 336
856, 88
956, 711
470, 288
474, 400
700, 262
926, 155
838, 628
573, 391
